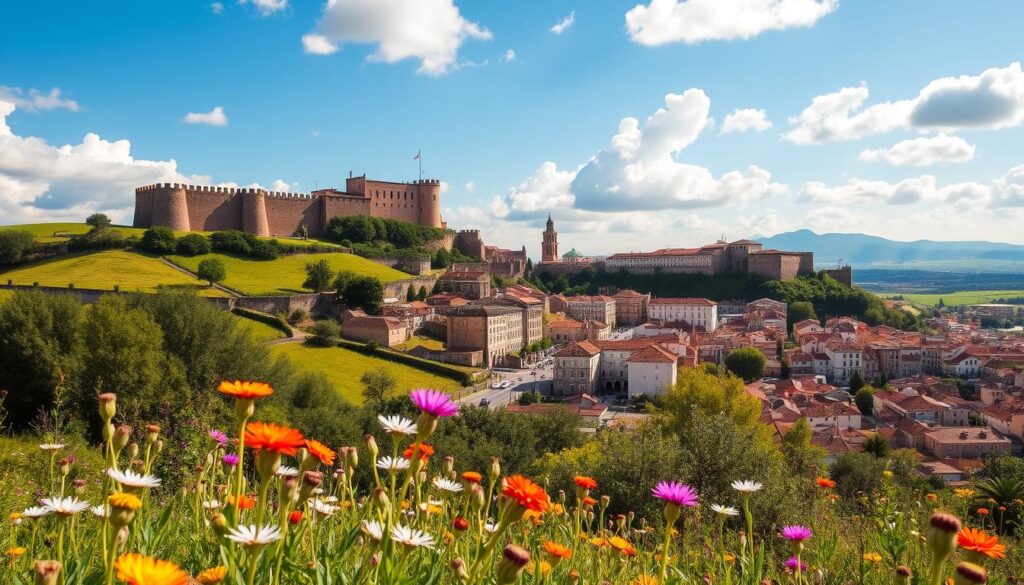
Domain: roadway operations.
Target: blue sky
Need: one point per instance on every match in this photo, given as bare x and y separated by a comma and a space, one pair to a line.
519, 121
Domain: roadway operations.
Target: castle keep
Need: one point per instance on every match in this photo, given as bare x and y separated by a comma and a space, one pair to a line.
273, 213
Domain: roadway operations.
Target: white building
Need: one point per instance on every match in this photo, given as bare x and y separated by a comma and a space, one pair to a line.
696, 312
651, 371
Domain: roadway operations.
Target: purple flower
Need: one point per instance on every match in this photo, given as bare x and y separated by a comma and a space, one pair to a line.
796, 533
792, 563
230, 459
434, 402
218, 437
676, 493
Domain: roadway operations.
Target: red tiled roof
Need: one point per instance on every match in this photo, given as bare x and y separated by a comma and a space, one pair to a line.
580, 349
654, 354
682, 301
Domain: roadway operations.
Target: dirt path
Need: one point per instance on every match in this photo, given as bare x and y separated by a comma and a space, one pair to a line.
224, 289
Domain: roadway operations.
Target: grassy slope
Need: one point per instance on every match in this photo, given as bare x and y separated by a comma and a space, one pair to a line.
419, 340
285, 275
47, 232
963, 297
260, 331
344, 368
105, 269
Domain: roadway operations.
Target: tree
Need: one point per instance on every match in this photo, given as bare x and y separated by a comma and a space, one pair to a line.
318, 275
803, 458
746, 362
856, 381
211, 270
865, 401
410, 295
877, 445
98, 221
14, 244
325, 333
193, 245
698, 394
159, 240
366, 292
941, 304
377, 384
341, 281
529, 397
857, 472
422, 294
800, 311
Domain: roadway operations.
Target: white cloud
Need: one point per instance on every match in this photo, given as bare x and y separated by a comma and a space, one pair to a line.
509, 56
743, 120
924, 188
561, 26
920, 152
832, 219
992, 100
694, 21
280, 185
267, 7
431, 31
469, 187
40, 182
1010, 188
215, 117
217, 7
548, 188
318, 44
34, 100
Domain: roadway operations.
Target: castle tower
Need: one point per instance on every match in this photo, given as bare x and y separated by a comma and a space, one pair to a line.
429, 192
254, 212
549, 245
170, 207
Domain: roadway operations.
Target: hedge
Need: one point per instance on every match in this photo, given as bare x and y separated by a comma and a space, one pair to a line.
464, 378
272, 320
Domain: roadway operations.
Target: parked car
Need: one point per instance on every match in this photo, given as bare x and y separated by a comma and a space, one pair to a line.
506, 384
496, 386
485, 402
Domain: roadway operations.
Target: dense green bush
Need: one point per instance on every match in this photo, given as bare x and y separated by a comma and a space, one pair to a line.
159, 240
244, 244
361, 229
98, 239
211, 270
326, 333
98, 221
193, 245
14, 245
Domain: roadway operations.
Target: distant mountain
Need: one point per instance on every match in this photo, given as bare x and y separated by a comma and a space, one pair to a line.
860, 250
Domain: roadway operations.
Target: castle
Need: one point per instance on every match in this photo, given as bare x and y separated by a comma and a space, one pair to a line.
272, 213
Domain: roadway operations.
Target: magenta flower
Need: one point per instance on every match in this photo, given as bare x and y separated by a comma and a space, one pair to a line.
433, 402
676, 493
792, 563
218, 437
797, 533
230, 459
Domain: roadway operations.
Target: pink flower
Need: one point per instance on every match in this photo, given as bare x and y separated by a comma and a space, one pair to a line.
676, 493
230, 459
433, 402
796, 533
791, 563
218, 437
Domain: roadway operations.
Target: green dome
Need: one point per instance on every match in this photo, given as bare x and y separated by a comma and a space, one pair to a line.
572, 254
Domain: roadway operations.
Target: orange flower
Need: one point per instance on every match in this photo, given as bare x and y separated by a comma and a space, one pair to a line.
472, 477
585, 482
931, 497
629, 551
136, 569
588, 501
527, 493
322, 452
982, 512
618, 543
978, 541
556, 550
212, 576
426, 451
295, 516
271, 437
245, 389
825, 483
244, 502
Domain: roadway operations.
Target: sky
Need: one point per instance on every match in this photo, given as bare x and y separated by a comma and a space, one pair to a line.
637, 124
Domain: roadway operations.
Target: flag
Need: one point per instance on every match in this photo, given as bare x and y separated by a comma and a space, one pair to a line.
417, 157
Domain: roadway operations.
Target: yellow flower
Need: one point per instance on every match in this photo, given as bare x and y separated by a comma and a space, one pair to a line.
872, 557
345, 505
433, 509
963, 493
931, 497
124, 501
597, 541
618, 543
728, 558
644, 580
15, 552
212, 576
545, 567
557, 509
14, 516
887, 474
136, 569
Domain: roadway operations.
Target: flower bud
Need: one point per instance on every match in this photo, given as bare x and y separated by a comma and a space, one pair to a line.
65, 465
352, 457
310, 481
122, 435
495, 472
574, 577
942, 535
108, 431
47, 572
290, 489
78, 485
380, 499
220, 523
152, 434
108, 406
902, 575
448, 466
476, 497
133, 451
969, 574
159, 445
460, 523
510, 565
459, 566
371, 445
605, 501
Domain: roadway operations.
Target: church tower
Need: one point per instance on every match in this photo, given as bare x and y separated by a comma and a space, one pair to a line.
549, 245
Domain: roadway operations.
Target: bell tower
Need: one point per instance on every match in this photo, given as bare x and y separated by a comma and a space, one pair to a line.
549, 245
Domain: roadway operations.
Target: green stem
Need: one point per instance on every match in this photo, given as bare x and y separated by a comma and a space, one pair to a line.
664, 551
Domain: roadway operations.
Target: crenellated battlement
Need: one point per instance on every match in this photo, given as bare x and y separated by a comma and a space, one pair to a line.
222, 190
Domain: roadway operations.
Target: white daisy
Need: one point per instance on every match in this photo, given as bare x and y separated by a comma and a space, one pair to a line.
51, 446
35, 512
373, 529
99, 511
397, 425
64, 506
491, 527
322, 508
331, 499
252, 536
411, 537
129, 478
447, 485
725, 510
211, 505
746, 486
285, 471
393, 463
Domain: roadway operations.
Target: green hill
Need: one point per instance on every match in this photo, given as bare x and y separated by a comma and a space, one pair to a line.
47, 233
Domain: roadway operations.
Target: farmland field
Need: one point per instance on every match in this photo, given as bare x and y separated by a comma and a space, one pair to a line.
284, 276
59, 232
344, 368
260, 331
962, 297
104, 270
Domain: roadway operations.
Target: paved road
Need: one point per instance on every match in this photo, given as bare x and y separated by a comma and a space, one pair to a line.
522, 380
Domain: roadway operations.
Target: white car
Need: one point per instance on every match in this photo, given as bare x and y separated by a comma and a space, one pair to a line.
506, 384
496, 386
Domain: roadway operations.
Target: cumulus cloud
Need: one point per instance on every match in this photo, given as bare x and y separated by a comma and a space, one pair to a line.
1009, 189
831, 219
315, 44
744, 120
431, 31
990, 101
548, 188
694, 21
217, 7
34, 100
215, 117
280, 185
469, 187
924, 188
266, 7
921, 152
40, 182
561, 26
509, 56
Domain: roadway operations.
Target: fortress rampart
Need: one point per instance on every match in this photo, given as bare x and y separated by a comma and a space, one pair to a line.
276, 213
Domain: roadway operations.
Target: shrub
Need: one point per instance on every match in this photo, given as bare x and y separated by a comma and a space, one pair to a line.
98, 221
264, 250
211, 270
193, 245
230, 242
746, 362
159, 240
325, 333
298, 316
14, 245
318, 275
98, 239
